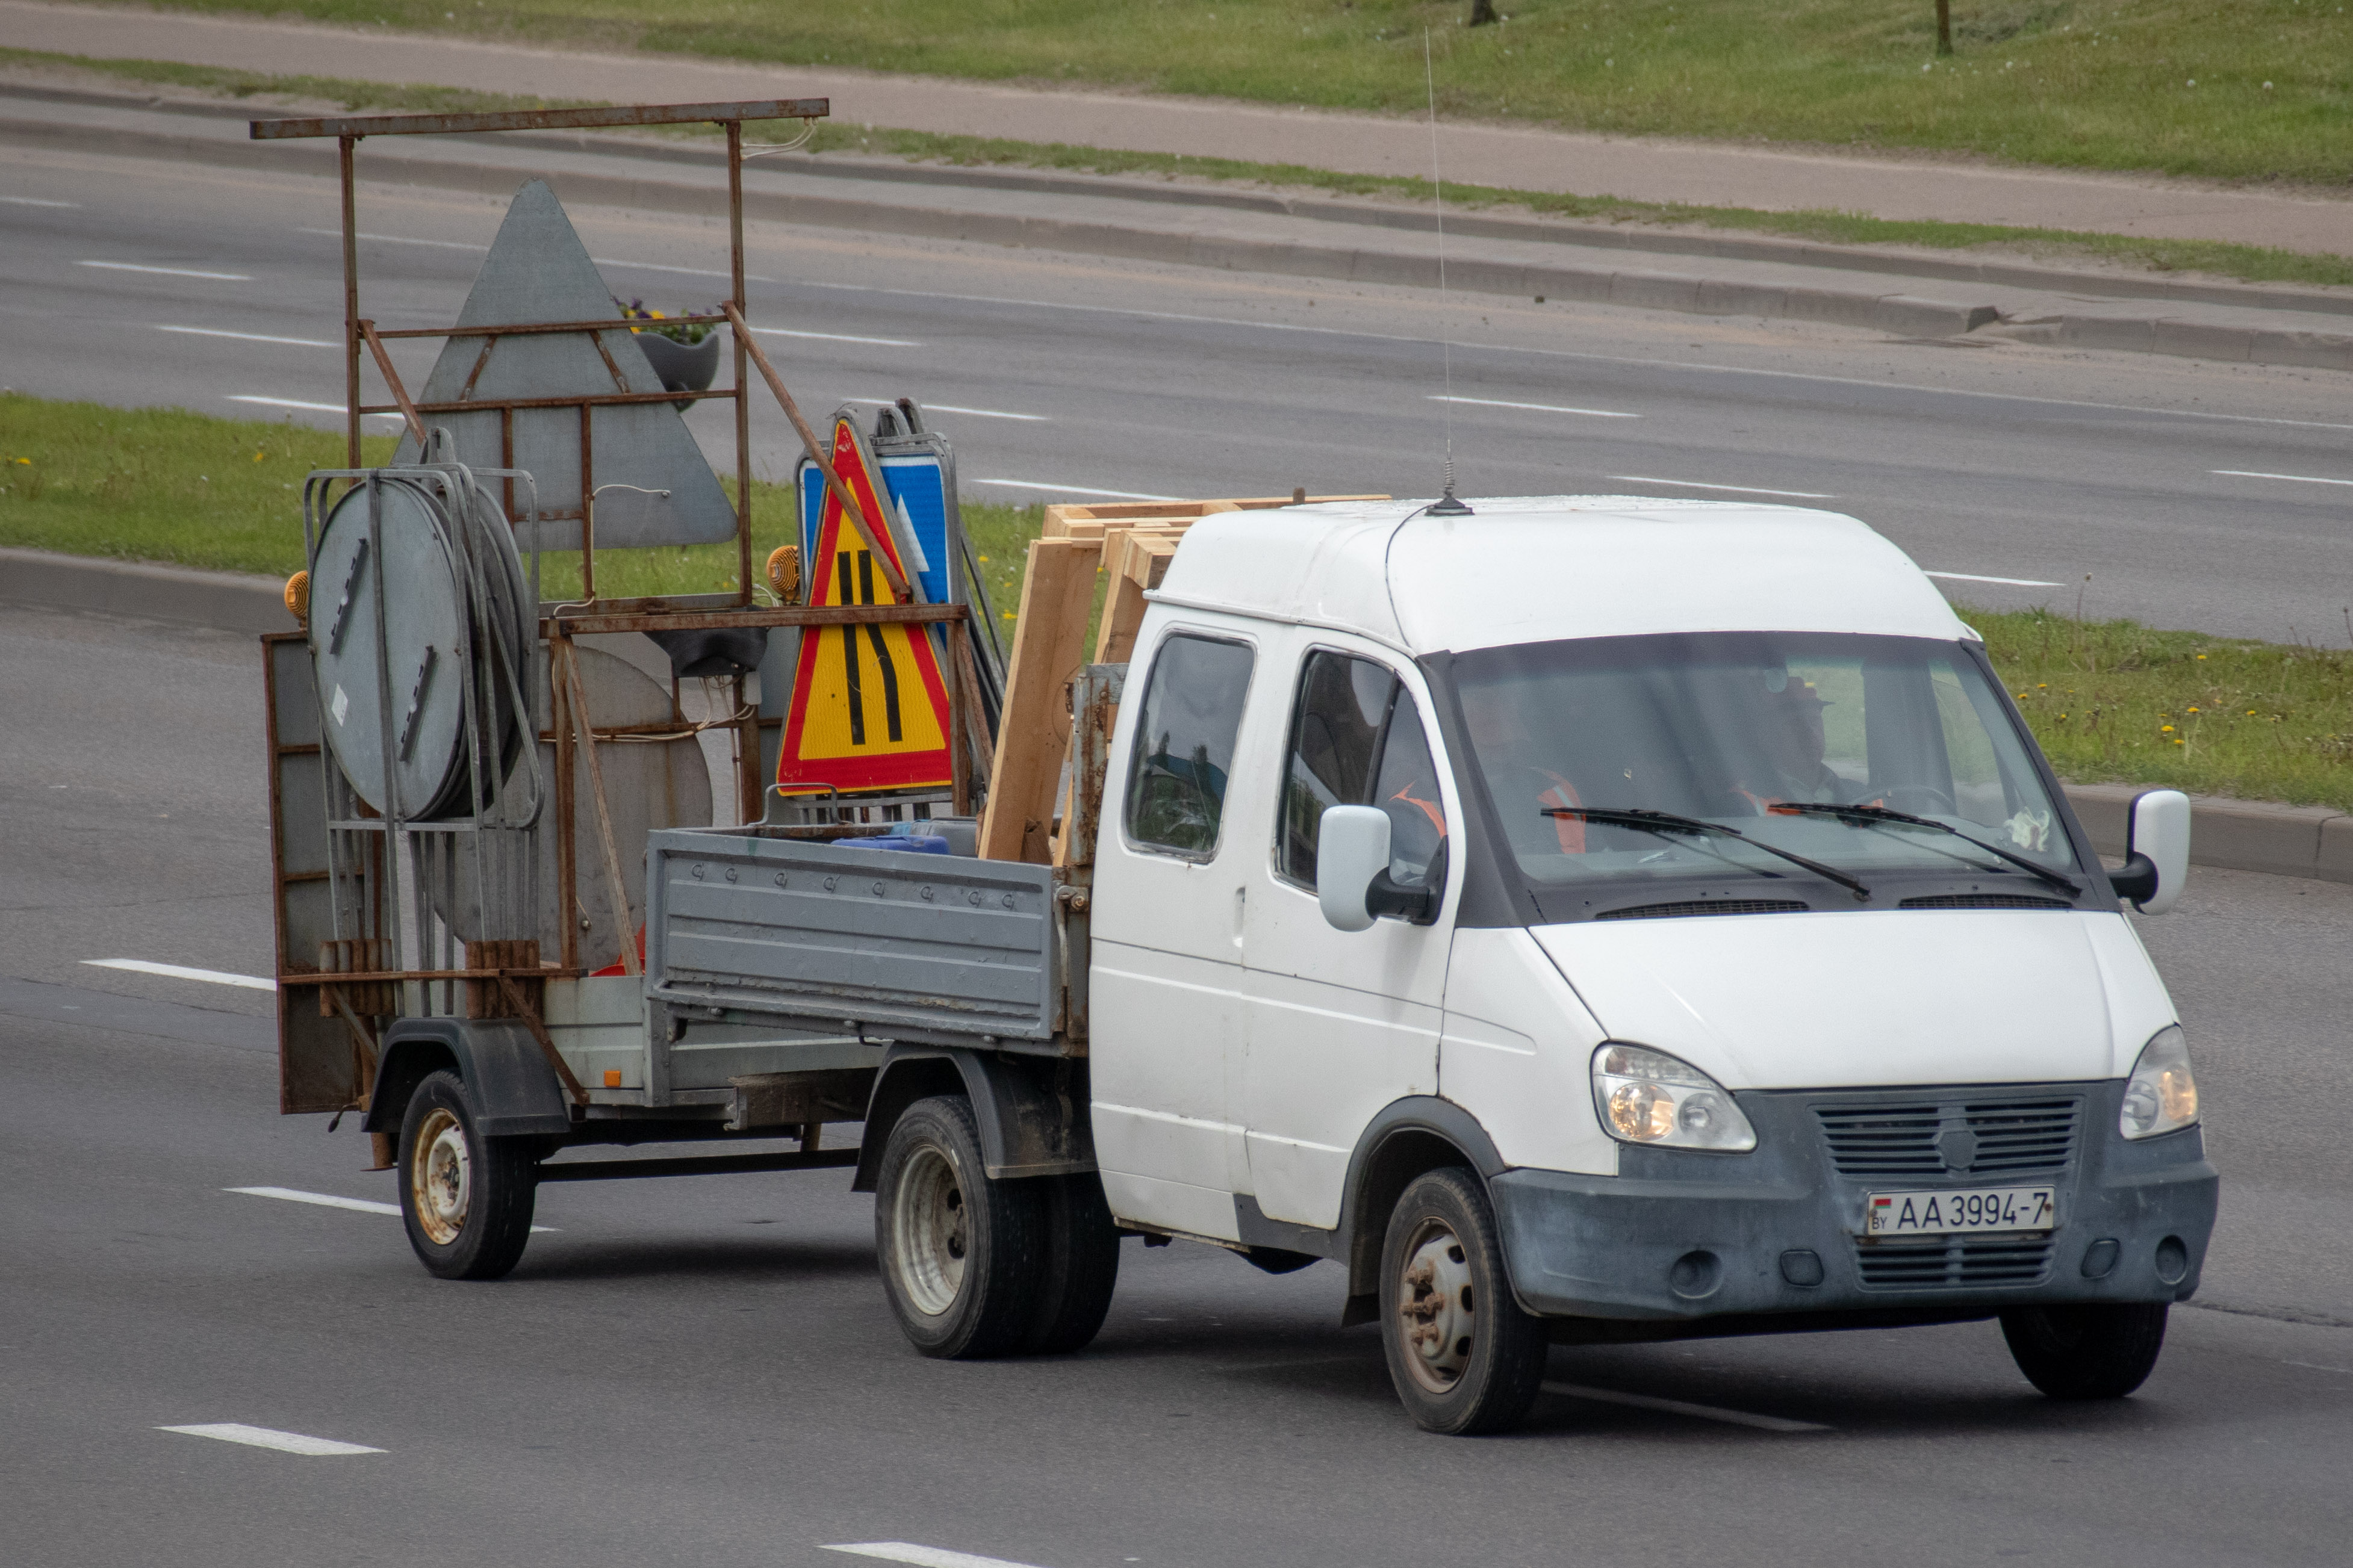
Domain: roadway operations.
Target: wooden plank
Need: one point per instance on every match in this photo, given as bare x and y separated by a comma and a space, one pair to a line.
1049, 645
1140, 562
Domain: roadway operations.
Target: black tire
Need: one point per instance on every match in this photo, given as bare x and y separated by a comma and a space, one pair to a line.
465, 1200
959, 1252
1465, 1359
1078, 1265
2087, 1352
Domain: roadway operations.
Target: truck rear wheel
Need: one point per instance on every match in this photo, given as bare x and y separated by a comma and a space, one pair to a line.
959, 1252
465, 1200
2095, 1352
1079, 1265
1465, 1359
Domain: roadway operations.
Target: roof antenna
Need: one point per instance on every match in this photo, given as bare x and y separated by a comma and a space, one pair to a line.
1446, 505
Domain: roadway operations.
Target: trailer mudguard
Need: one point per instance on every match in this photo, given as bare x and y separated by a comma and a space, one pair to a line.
1032, 1115
515, 1092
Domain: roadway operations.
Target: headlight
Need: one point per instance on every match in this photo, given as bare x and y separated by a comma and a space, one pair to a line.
2160, 1096
1648, 1097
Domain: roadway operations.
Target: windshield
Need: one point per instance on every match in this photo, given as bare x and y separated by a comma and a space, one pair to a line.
1724, 727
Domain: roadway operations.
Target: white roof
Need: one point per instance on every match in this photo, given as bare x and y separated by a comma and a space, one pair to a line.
1536, 568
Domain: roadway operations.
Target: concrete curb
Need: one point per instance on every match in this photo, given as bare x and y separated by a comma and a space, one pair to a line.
1900, 315
2308, 841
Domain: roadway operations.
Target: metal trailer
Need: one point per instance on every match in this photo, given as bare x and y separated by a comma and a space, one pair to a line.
432, 976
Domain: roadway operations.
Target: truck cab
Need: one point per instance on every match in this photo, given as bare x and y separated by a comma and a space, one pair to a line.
1615, 918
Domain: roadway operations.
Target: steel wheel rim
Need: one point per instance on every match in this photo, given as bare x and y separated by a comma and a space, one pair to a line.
440, 1177
1437, 1309
930, 1231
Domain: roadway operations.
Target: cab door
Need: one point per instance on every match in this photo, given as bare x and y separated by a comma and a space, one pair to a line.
1165, 980
1340, 1022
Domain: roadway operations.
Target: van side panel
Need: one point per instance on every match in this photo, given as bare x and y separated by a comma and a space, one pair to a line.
1517, 1052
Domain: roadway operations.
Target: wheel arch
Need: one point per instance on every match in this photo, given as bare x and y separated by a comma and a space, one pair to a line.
514, 1091
1409, 1137
1032, 1116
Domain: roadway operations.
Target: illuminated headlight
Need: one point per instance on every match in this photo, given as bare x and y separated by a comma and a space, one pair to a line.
2160, 1096
1648, 1097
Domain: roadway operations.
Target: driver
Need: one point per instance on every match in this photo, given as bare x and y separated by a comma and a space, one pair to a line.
1786, 745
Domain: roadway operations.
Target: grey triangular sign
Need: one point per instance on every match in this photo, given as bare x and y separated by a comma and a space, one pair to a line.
538, 271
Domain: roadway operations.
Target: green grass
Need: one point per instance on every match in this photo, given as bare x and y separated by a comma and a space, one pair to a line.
2245, 262
2254, 720
2115, 701
2103, 84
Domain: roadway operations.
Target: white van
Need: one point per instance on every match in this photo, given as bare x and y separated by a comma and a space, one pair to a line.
1607, 918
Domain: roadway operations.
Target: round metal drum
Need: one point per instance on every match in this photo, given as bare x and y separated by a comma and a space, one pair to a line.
388, 634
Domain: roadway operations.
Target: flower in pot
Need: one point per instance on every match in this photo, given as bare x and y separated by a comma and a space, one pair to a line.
684, 354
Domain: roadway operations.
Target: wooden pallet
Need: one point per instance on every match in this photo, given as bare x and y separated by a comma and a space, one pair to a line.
1134, 541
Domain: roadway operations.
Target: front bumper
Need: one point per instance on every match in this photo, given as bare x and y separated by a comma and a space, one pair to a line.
1681, 1235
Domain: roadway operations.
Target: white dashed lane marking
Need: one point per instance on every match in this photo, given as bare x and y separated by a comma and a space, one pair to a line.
329, 1201
265, 1437
923, 1556
181, 972
1681, 1408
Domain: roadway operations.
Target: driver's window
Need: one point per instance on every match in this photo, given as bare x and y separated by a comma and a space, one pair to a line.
1356, 739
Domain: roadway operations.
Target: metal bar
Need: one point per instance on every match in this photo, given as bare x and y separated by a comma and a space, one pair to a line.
961, 698
890, 574
391, 379
530, 1017
706, 1166
344, 149
589, 533
743, 404
781, 616
305, 979
984, 745
352, 126
590, 400
616, 886
567, 867
525, 329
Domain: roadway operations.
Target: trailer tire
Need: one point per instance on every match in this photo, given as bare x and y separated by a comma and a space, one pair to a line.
2099, 1351
1079, 1265
465, 1200
959, 1252
1465, 1359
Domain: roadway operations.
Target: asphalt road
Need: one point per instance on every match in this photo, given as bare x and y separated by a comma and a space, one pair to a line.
702, 1370
2192, 493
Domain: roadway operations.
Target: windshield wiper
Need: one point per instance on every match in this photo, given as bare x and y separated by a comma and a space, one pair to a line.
1879, 814
1667, 822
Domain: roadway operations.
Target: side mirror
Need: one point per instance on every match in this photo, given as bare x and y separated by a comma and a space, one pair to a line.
1352, 848
2157, 851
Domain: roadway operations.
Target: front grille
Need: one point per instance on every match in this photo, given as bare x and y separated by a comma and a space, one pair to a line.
1953, 1262
1986, 901
1992, 1139
1706, 907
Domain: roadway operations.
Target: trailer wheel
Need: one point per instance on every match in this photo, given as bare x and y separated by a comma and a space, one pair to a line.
1079, 1265
959, 1252
2095, 1352
466, 1200
1465, 1357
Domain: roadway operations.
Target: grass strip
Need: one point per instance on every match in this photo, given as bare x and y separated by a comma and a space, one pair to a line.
2110, 700
2233, 90
2243, 263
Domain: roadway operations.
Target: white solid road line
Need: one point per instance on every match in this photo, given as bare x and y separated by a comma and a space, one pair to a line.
329, 1201
1075, 490
168, 271
2297, 478
1743, 490
943, 407
838, 338
1539, 407
264, 1437
2006, 581
251, 337
35, 202
599, 260
180, 972
398, 239
1680, 1407
921, 1556
297, 402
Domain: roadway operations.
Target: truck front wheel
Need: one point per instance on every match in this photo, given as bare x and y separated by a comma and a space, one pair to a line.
466, 1200
2093, 1351
1465, 1359
959, 1252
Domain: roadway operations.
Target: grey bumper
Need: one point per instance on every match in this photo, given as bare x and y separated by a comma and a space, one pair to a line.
1680, 1236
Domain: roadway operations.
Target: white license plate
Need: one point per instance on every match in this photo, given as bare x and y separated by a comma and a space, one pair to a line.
1888, 1216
